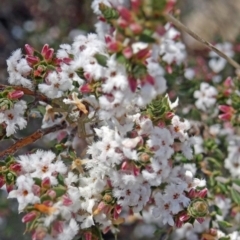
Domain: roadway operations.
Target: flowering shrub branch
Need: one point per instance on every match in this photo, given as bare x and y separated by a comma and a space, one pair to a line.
120, 146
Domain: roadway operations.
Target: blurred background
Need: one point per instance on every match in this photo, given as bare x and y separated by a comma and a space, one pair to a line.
37, 22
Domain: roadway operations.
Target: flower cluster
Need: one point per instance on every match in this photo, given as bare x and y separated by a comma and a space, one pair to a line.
121, 146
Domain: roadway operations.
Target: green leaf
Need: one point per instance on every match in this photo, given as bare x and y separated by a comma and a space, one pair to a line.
37, 181
60, 179
101, 59
45, 197
60, 191
214, 161
235, 196
146, 38
217, 209
224, 224
108, 12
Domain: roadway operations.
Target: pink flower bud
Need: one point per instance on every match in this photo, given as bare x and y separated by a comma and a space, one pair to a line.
46, 183
192, 193
124, 165
32, 60
228, 82
51, 193
202, 193
149, 79
114, 46
228, 112
225, 108
122, 23
143, 53
88, 236
136, 28
16, 167
15, 94
101, 206
184, 217
169, 115
67, 201
29, 50
29, 217
86, 88
45, 49
169, 6
132, 83
225, 117
36, 190
135, 5
136, 171
49, 54
39, 234
108, 39
67, 60
2, 181
57, 228
127, 52
125, 13
178, 223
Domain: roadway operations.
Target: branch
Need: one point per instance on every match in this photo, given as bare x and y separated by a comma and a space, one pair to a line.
182, 27
26, 91
31, 139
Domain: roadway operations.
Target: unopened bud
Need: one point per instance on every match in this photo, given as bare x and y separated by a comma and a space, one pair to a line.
29, 217
49, 54
86, 88
29, 49
15, 94
46, 183
132, 83
202, 193
45, 49
32, 60
127, 52
125, 13
16, 167
136, 28
2, 181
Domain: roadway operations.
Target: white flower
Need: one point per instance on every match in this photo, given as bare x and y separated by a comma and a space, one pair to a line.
42, 164
163, 209
56, 85
24, 192
217, 63
172, 51
179, 128
70, 230
160, 141
186, 147
232, 162
206, 97
14, 117
18, 69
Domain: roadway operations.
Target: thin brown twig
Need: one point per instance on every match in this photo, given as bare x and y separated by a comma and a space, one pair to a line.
182, 27
31, 139
26, 91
